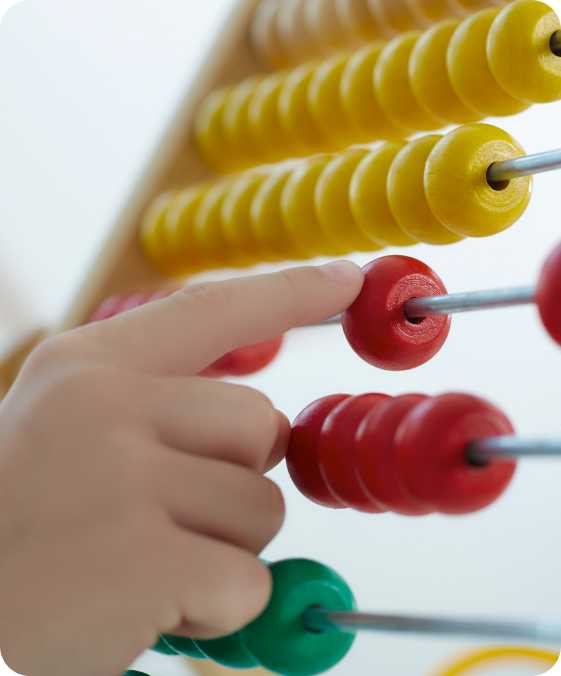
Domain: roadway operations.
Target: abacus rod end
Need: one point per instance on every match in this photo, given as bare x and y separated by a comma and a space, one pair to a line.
482, 451
527, 165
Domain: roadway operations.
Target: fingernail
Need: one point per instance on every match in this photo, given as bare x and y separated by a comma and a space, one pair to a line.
342, 271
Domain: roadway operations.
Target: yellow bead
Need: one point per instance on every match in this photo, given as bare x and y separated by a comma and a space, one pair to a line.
456, 183
208, 228
264, 35
393, 86
468, 68
325, 101
152, 233
294, 110
359, 97
406, 194
236, 216
333, 204
209, 133
324, 24
267, 218
264, 121
393, 16
179, 229
428, 12
519, 52
299, 209
369, 196
429, 76
358, 20
235, 125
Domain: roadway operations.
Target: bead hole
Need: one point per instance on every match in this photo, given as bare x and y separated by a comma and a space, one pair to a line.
497, 185
412, 320
307, 626
555, 43
473, 460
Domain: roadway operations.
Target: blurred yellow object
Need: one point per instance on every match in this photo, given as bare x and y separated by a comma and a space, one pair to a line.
490, 656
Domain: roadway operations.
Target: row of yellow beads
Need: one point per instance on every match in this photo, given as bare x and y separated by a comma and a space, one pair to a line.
433, 189
289, 32
496, 62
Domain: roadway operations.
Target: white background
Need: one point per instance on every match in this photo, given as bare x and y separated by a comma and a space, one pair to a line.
86, 89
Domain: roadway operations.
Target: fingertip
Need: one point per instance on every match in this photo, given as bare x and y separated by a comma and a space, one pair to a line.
280, 447
344, 272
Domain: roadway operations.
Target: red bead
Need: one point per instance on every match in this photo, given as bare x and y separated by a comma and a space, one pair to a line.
431, 452
337, 451
302, 458
548, 294
245, 360
376, 462
376, 325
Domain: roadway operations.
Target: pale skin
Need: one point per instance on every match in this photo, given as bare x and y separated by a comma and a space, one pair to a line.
132, 495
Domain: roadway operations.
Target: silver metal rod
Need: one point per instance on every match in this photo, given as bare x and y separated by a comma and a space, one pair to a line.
320, 620
482, 451
417, 308
526, 165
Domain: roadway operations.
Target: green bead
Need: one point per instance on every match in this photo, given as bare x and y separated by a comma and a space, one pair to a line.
279, 639
134, 673
163, 647
183, 646
229, 651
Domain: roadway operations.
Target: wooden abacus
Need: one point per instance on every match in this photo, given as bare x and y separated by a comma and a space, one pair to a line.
323, 108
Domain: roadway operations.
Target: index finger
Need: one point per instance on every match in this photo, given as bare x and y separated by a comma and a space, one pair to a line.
187, 331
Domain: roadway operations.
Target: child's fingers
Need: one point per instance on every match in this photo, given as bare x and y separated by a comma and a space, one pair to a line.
225, 502
187, 331
218, 420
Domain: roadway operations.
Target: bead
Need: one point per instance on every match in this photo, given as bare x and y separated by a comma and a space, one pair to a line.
294, 31
337, 452
299, 209
264, 36
302, 460
107, 309
333, 203
359, 100
279, 639
235, 125
358, 21
376, 462
163, 647
179, 230
519, 52
393, 86
209, 135
229, 651
369, 196
406, 194
294, 110
244, 361
267, 220
475, 85
264, 120
456, 183
324, 98
184, 646
431, 450
393, 17
134, 673
152, 235
376, 325
429, 77
324, 24
428, 12
208, 231
548, 293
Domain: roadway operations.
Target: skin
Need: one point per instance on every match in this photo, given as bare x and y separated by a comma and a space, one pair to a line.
132, 495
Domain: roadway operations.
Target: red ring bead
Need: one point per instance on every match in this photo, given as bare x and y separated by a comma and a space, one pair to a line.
302, 458
245, 360
431, 452
337, 452
376, 461
548, 294
376, 325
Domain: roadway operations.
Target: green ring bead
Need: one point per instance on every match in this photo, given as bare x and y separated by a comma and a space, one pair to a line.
134, 673
229, 651
163, 647
183, 646
279, 639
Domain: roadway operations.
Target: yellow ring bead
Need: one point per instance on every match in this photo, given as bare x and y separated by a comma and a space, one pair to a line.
236, 216
325, 101
263, 116
209, 134
152, 232
267, 218
179, 229
294, 110
359, 21
519, 52
428, 12
468, 68
333, 203
369, 196
324, 25
299, 209
207, 231
359, 97
406, 194
393, 17
456, 183
429, 76
235, 128
393, 86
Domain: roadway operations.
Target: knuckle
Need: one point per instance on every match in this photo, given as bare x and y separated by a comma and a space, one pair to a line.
292, 292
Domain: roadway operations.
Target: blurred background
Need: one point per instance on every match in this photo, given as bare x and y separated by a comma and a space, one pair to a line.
86, 92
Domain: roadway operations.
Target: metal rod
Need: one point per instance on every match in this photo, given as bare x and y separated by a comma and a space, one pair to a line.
417, 308
482, 451
527, 165
320, 620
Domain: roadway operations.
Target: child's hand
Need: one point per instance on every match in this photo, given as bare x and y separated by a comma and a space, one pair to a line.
132, 500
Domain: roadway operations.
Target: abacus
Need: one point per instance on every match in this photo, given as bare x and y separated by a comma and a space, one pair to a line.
321, 159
